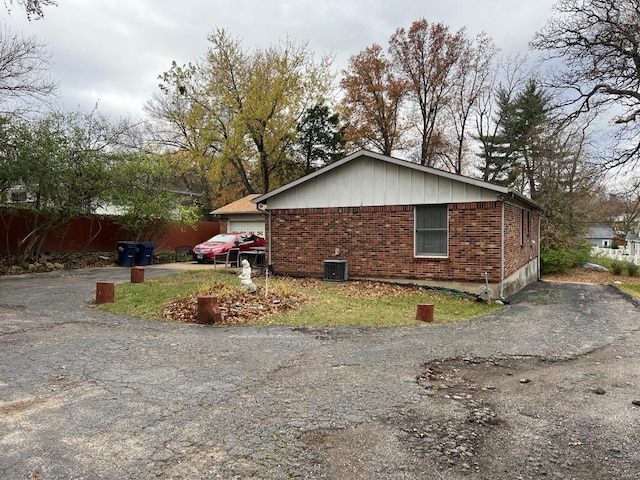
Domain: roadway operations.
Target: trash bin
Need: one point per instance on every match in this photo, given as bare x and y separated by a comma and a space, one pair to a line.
126, 253
144, 253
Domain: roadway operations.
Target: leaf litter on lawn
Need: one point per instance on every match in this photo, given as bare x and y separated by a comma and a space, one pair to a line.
241, 307
236, 305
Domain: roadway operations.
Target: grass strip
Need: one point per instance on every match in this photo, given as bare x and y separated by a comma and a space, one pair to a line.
361, 304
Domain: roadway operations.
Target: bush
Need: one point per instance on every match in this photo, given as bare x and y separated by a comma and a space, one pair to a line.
632, 269
561, 259
617, 267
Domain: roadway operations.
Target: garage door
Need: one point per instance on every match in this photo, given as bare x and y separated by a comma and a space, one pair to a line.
252, 226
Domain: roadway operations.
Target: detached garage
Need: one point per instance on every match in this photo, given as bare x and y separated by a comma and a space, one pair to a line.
388, 218
241, 216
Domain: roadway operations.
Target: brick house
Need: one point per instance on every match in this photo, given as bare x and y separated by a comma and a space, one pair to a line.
241, 216
396, 220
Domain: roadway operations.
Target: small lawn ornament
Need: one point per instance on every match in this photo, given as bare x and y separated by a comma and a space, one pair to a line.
486, 294
245, 277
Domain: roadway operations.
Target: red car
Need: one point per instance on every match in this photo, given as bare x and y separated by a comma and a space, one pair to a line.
222, 242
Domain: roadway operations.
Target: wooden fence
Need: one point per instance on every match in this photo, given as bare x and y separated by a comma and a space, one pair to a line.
94, 234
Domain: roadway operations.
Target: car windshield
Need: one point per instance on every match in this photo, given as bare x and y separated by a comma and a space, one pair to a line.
221, 238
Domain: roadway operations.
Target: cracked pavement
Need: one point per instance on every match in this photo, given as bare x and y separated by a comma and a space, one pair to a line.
86, 394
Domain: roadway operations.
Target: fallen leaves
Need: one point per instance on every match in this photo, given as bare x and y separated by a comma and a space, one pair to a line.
236, 305
368, 289
240, 307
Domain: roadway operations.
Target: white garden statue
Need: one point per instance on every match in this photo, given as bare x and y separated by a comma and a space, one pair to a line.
245, 277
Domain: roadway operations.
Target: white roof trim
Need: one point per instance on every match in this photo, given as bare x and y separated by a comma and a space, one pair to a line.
403, 163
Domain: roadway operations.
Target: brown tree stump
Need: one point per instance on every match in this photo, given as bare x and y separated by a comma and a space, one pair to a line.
208, 310
137, 275
425, 312
105, 292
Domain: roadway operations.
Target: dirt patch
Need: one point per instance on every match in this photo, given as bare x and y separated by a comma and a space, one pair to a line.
18, 408
502, 418
561, 419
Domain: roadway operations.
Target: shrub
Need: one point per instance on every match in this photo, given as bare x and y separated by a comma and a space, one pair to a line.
617, 267
561, 259
632, 269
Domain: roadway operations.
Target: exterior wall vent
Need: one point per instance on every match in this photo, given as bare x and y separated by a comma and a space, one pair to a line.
336, 270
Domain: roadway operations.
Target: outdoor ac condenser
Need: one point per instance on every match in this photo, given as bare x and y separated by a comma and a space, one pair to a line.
335, 270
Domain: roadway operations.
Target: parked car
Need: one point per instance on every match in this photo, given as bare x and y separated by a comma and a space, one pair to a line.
222, 242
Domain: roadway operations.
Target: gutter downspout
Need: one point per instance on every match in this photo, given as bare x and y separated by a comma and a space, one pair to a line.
270, 235
539, 250
502, 251
262, 210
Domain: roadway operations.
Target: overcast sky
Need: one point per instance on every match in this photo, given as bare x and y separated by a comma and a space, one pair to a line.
112, 51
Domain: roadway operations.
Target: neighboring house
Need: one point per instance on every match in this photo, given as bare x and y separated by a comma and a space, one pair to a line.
600, 236
393, 219
633, 244
241, 216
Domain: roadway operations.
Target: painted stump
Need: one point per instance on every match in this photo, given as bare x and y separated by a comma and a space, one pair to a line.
137, 275
105, 292
208, 310
425, 312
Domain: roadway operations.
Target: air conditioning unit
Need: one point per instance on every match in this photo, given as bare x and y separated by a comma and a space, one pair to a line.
336, 270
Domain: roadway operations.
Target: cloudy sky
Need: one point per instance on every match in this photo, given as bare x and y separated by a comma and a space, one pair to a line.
112, 51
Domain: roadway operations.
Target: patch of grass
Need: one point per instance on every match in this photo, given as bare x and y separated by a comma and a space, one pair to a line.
147, 299
332, 305
631, 289
365, 304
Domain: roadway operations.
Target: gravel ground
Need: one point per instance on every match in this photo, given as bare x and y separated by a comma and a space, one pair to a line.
543, 388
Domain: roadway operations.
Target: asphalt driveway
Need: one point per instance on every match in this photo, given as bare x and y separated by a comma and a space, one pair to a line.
544, 388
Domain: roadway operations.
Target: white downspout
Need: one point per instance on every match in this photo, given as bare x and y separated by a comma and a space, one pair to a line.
270, 235
502, 252
266, 273
539, 249
262, 210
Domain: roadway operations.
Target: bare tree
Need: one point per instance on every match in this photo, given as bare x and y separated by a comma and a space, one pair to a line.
24, 63
623, 206
475, 72
599, 42
33, 8
425, 57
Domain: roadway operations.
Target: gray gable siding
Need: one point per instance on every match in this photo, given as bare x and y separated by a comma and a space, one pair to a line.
367, 181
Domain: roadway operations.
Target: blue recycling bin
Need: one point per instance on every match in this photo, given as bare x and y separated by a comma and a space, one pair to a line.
126, 253
144, 253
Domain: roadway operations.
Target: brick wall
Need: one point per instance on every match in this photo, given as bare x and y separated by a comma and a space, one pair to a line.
378, 242
521, 228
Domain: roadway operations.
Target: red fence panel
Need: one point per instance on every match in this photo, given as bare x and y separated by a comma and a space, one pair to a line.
94, 233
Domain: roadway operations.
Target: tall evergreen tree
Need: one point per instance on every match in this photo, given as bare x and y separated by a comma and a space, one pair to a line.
320, 138
512, 155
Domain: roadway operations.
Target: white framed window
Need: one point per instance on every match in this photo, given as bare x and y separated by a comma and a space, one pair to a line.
431, 231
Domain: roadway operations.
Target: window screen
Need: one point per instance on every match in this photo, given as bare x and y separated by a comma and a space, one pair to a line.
431, 230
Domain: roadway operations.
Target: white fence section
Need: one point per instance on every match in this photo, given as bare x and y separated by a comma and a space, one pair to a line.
621, 254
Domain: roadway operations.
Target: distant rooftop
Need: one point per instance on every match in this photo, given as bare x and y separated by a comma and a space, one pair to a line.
600, 232
243, 205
